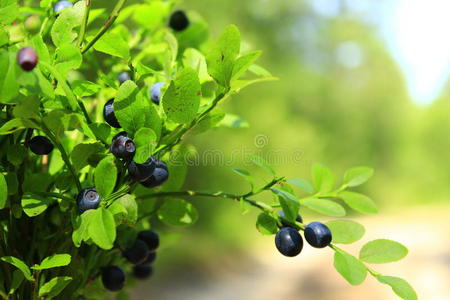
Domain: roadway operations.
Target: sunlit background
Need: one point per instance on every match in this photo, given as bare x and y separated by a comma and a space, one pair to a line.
362, 82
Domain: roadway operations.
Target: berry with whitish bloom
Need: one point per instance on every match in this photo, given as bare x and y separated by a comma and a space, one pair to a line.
122, 146
88, 199
27, 58
141, 172
155, 92
60, 5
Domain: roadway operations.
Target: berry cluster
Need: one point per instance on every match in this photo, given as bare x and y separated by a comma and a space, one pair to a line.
289, 242
141, 255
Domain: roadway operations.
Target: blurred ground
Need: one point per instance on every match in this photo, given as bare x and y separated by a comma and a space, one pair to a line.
311, 276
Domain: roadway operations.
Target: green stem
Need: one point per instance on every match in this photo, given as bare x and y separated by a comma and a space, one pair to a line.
36, 286
106, 26
84, 23
54, 195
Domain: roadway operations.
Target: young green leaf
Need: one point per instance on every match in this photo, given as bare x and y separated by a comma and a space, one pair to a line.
266, 224
323, 179
62, 31
84, 88
324, 207
145, 140
357, 176
81, 153
53, 287
129, 108
34, 205
8, 82
102, 228
358, 202
261, 162
17, 279
382, 251
289, 204
127, 207
80, 227
303, 184
68, 57
19, 264
8, 11
177, 212
350, 268
345, 231
3, 191
182, 98
400, 287
246, 175
221, 59
244, 62
54, 261
105, 176
113, 44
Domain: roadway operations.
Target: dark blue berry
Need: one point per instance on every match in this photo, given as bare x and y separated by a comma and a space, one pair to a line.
124, 76
151, 257
109, 116
137, 253
285, 224
151, 238
141, 172
142, 271
159, 176
88, 199
122, 146
40, 145
113, 278
61, 5
179, 21
155, 92
318, 235
289, 242
27, 58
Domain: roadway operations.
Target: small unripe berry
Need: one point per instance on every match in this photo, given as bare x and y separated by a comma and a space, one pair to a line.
137, 253
151, 238
289, 242
27, 58
122, 146
113, 278
318, 235
40, 145
142, 271
179, 21
109, 116
88, 199
32, 23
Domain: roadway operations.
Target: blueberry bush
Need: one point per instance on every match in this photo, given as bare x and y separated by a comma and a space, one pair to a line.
95, 108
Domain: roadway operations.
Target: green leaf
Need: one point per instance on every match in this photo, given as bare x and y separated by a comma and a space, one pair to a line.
125, 209
102, 228
19, 264
221, 59
266, 224
83, 88
246, 175
195, 59
34, 205
8, 11
82, 152
382, 251
105, 176
324, 207
3, 191
11, 126
289, 204
182, 98
17, 279
113, 44
261, 162
54, 261
303, 184
400, 287
41, 48
350, 268
357, 176
80, 227
177, 212
53, 287
244, 62
345, 231
323, 179
177, 163
208, 122
358, 202
145, 140
233, 121
62, 31
128, 108
8, 81
68, 57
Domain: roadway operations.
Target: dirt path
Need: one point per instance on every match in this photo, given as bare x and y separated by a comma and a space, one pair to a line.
311, 276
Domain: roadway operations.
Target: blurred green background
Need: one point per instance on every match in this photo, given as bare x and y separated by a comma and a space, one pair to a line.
342, 100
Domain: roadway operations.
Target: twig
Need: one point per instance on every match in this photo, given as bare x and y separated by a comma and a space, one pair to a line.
84, 23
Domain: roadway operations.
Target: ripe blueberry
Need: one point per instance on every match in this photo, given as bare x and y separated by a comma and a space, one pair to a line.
88, 199
151, 257
108, 114
113, 278
151, 238
122, 146
61, 5
159, 176
318, 235
124, 76
179, 21
137, 253
285, 224
142, 271
27, 58
289, 242
40, 145
155, 92
141, 172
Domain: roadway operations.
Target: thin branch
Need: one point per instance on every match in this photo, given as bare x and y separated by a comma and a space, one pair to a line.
84, 22
106, 26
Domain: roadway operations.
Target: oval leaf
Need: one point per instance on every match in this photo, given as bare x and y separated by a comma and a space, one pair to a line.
324, 207
105, 176
102, 228
382, 251
322, 178
19, 264
400, 287
345, 231
350, 268
53, 287
54, 261
266, 224
3, 191
34, 205
357, 176
177, 212
359, 202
